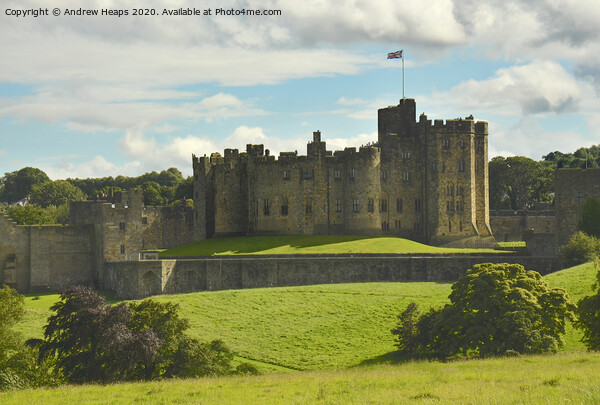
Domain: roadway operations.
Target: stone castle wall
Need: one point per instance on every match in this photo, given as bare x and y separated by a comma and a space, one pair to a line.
41, 258
136, 280
573, 187
421, 180
509, 226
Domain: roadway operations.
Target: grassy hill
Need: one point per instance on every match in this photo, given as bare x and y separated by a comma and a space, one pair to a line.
314, 327
277, 245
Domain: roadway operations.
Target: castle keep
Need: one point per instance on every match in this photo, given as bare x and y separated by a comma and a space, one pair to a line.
422, 180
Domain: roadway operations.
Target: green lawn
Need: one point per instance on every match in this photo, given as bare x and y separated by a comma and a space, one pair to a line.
276, 245
564, 378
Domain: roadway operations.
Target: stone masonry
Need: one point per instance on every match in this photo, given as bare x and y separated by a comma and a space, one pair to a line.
427, 181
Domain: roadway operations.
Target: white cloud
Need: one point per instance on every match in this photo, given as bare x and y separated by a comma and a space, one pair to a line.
528, 138
350, 101
538, 87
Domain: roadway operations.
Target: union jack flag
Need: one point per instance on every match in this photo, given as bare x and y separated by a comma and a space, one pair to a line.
395, 55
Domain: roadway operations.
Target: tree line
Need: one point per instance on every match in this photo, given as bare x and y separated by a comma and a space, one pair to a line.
48, 201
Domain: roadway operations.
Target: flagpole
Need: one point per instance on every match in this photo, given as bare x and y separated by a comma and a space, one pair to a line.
403, 74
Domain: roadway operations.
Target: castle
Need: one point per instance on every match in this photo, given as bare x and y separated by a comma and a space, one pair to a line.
421, 180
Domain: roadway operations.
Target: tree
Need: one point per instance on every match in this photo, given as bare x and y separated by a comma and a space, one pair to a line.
92, 341
588, 310
517, 182
18, 184
55, 193
590, 217
581, 248
495, 309
18, 366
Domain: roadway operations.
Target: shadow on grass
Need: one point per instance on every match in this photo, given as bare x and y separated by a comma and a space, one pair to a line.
387, 358
254, 244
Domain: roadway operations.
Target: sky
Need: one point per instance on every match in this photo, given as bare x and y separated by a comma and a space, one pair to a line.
107, 95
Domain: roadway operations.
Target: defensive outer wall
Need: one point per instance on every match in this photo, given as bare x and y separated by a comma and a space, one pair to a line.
134, 280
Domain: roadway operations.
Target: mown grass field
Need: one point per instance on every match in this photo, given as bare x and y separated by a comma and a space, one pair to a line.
339, 335
570, 378
277, 245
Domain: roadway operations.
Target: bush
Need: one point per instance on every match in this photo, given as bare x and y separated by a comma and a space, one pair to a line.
582, 248
496, 309
590, 217
91, 341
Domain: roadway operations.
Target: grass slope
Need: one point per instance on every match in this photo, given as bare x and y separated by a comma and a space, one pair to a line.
563, 378
276, 245
314, 327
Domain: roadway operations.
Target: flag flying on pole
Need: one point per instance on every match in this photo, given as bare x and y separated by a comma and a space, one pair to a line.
395, 55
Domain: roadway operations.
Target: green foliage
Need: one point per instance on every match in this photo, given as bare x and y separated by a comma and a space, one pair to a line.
18, 184
35, 215
581, 248
91, 341
59, 192
494, 309
590, 217
582, 158
18, 366
588, 309
517, 182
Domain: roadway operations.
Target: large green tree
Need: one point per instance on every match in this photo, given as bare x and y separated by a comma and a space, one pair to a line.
91, 341
56, 193
590, 217
18, 184
588, 310
495, 309
517, 182
18, 366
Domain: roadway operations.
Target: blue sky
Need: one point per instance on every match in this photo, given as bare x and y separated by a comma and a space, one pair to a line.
93, 96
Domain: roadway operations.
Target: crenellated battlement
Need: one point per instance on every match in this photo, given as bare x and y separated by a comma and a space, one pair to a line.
424, 180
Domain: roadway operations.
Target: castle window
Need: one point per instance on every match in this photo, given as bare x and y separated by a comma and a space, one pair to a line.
384, 205
449, 190
418, 205
123, 249
337, 174
284, 206
370, 205
307, 174
579, 197
308, 207
122, 226
405, 176
446, 143
398, 204
266, 207
434, 166
352, 173
383, 175
144, 220
462, 143
443, 167
385, 226
338, 205
449, 226
459, 206
476, 166
460, 226
460, 190
405, 155
286, 174
461, 165
355, 205
397, 224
